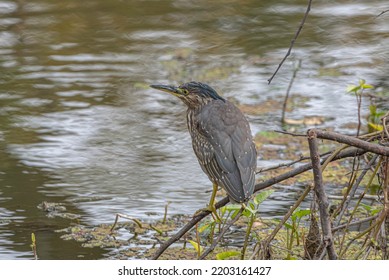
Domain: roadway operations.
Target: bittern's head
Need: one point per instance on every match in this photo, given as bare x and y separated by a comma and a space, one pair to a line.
193, 94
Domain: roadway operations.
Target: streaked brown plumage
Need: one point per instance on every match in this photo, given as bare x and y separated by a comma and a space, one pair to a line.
221, 139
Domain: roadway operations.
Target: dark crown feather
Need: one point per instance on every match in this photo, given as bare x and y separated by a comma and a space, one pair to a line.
201, 89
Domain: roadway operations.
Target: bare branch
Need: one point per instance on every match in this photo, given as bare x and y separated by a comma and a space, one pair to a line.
286, 164
368, 219
293, 40
288, 91
383, 12
352, 141
321, 195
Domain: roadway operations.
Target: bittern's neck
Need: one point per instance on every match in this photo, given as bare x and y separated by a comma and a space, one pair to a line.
196, 102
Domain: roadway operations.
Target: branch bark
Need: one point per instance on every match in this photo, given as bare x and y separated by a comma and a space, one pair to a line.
321, 195
352, 141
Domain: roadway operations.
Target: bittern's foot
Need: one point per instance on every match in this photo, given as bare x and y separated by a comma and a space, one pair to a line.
211, 209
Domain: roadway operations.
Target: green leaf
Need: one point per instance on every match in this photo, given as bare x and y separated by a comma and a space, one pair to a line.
375, 211
366, 207
376, 127
249, 212
373, 109
362, 85
301, 213
227, 255
259, 198
233, 207
205, 227
198, 248
289, 226
367, 86
223, 210
370, 209
352, 88
235, 213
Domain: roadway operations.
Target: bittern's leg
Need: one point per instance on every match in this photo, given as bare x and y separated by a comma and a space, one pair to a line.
213, 196
211, 205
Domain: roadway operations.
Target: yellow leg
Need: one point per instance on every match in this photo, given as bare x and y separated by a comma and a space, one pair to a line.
211, 205
213, 196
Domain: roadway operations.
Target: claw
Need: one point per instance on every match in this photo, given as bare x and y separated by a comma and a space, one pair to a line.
211, 206
211, 209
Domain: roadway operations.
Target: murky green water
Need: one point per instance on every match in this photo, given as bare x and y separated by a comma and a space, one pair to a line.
79, 126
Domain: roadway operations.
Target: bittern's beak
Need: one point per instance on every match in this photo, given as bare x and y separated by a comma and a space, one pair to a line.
170, 89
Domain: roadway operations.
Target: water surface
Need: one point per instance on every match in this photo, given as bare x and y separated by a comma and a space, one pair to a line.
79, 125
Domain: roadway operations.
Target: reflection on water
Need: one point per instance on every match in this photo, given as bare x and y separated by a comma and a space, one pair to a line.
78, 124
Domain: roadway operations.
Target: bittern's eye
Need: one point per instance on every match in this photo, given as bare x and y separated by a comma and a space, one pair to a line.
184, 91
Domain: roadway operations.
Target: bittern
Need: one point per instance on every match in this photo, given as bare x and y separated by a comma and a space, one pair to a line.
221, 140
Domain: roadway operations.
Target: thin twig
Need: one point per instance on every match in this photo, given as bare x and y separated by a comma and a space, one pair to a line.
287, 164
292, 41
366, 196
369, 229
354, 188
288, 91
384, 120
383, 12
290, 133
354, 211
165, 213
359, 103
126, 217
334, 229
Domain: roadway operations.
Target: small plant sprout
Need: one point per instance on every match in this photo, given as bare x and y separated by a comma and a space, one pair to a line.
33, 245
296, 217
250, 212
358, 91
